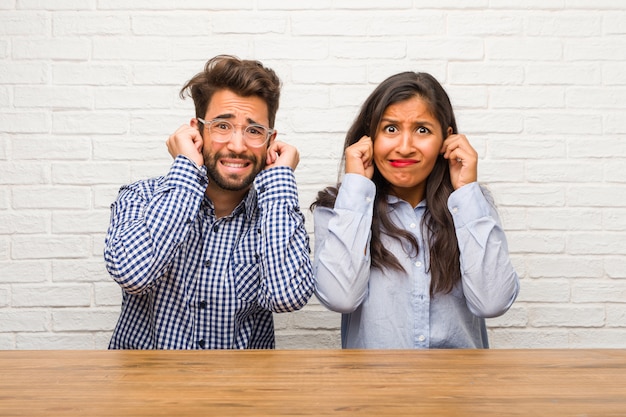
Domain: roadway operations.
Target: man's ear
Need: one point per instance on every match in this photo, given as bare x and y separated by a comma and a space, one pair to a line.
193, 122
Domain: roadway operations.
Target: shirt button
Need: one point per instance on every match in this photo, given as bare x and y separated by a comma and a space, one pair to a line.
215, 228
202, 304
412, 225
418, 263
368, 199
201, 343
207, 263
455, 209
421, 338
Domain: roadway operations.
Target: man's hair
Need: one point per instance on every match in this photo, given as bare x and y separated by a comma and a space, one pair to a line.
243, 77
437, 222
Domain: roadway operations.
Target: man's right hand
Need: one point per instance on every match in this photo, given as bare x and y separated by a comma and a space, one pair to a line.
186, 141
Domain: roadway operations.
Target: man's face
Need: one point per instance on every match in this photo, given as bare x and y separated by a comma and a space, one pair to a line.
233, 165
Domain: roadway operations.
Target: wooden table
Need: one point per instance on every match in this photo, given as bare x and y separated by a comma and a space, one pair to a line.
493, 382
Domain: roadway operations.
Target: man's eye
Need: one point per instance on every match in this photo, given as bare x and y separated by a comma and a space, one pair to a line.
255, 131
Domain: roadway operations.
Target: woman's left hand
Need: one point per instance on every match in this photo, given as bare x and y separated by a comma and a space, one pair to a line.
462, 160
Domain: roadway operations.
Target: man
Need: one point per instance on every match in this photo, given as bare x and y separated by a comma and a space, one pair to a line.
206, 253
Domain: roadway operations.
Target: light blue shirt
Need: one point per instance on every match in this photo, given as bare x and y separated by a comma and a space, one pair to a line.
393, 309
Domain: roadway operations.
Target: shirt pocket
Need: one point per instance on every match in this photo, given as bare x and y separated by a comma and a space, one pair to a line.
247, 275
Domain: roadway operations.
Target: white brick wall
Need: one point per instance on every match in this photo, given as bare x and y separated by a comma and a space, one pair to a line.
88, 95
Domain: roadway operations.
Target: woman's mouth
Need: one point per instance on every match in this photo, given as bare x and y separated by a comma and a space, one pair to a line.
401, 163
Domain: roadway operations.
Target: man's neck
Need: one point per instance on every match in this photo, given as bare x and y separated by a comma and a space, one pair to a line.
224, 201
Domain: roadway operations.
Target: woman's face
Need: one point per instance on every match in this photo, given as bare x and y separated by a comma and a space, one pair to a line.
406, 147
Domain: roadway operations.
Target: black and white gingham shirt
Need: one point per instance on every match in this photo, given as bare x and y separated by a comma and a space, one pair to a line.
192, 281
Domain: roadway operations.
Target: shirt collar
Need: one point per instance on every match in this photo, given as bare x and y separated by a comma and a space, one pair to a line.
246, 206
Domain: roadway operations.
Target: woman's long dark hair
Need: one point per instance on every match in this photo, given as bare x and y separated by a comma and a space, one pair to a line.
437, 223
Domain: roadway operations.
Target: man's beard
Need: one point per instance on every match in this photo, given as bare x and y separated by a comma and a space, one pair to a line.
232, 182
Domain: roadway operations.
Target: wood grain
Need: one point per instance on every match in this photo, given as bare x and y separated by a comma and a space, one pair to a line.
586, 382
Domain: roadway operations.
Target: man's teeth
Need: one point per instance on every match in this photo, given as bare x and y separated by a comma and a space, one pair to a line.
235, 165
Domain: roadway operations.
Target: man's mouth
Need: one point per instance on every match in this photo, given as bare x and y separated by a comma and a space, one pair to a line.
230, 164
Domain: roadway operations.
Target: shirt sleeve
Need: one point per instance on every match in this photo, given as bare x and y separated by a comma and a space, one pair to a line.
149, 220
342, 236
287, 277
490, 283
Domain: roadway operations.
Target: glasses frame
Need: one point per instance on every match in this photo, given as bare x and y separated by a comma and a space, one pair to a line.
269, 134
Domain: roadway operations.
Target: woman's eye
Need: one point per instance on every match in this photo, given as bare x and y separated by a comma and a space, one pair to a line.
390, 130
423, 130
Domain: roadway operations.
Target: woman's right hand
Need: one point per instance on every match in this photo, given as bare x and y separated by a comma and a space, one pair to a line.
359, 157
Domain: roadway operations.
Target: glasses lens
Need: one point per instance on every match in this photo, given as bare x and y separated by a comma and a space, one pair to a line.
223, 130
255, 135
220, 130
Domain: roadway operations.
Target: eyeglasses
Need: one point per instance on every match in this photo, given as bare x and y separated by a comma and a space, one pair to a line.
221, 131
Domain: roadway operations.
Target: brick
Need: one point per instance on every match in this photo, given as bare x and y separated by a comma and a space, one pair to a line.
107, 294
24, 271
91, 221
564, 266
536, 242
564, 219
485, 74
53, 97
73, 270
563, 73
55, 341
252, 23
61, 148
614, 73
15, 122
527, 97
130, 49
294, 49
540, 195
596, 195
451, 48
599, 291
544, 338
4, 297
597, 338
23, 223
90, 74
615, 266
89, 173
566, 24
77, 319
72, 122
24, 173
323, 74
483, 23
91, 23
50, 247
51, 197
523, 49
544, 290
23, 73
24, 23
57, 48
567, 316
73, 5
611, 49
51, 296
23, 320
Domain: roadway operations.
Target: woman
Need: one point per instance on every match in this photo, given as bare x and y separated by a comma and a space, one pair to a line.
409, 247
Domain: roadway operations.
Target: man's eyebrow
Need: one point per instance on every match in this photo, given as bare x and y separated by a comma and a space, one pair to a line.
231, 116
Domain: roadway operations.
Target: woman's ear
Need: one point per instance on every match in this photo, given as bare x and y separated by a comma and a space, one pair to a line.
449, 132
